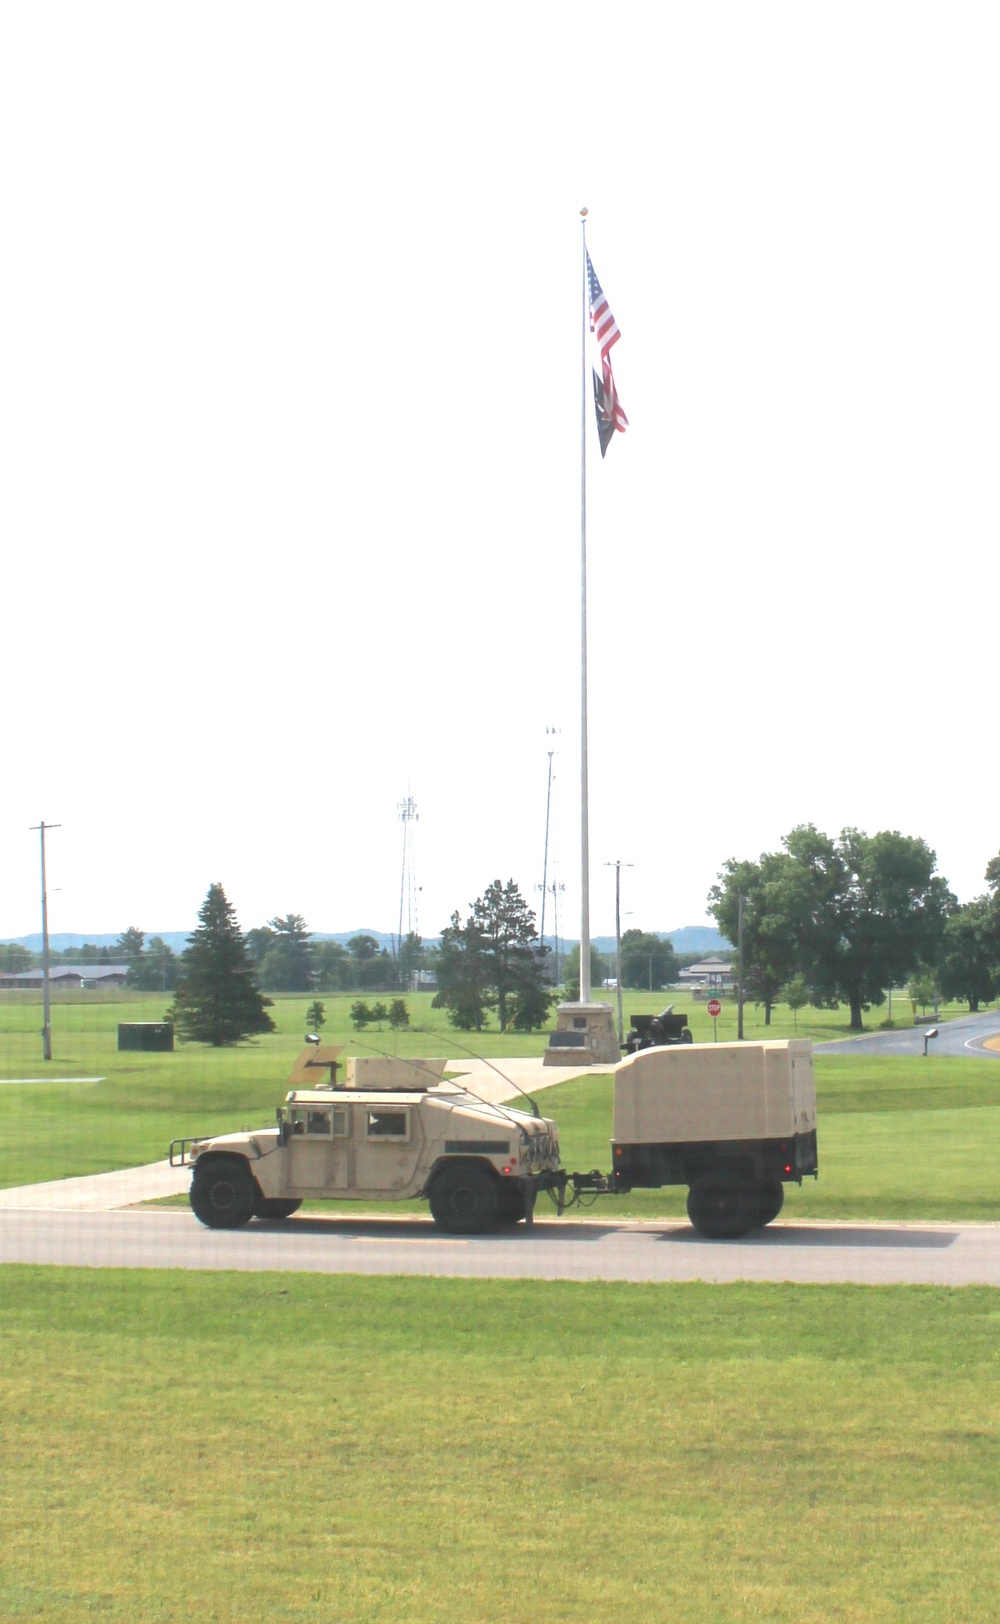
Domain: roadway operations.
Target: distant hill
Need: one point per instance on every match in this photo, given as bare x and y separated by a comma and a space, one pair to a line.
59, 941
690, 939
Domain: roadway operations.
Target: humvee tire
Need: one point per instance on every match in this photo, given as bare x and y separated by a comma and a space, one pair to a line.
224, 1193
722, 1205
512, 1208
464, 1200
770, 1200
275, 1208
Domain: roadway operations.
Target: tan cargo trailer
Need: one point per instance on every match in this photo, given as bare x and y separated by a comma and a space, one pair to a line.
733, 1121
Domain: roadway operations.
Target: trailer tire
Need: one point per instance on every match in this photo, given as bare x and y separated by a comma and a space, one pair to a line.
770, 1200
464, 1199
224, 1193
275, 1208
722, 1205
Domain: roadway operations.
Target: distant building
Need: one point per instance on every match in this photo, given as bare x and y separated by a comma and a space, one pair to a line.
74, 976
708, 978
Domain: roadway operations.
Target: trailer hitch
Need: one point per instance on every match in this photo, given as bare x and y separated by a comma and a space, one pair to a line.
590, 1184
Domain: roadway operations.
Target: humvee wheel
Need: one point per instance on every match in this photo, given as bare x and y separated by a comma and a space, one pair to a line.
223, 1193
464, 1200
770, 1200
275, 1208
722, 1205
511, 1208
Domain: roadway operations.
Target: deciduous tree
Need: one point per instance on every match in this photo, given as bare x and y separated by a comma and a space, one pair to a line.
599, 971
399, 1015
772, 896
332, 964
647, 960
493, 961
153, 968
852, 916
970, 953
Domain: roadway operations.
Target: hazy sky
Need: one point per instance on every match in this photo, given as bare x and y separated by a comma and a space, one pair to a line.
290, 412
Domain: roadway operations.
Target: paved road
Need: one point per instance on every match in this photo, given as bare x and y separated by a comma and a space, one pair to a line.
968, 1036
864, 1254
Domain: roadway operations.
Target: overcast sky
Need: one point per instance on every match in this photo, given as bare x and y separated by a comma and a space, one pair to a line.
290, 410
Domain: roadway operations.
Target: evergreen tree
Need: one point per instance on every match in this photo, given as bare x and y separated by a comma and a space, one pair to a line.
287, 965
217, 1000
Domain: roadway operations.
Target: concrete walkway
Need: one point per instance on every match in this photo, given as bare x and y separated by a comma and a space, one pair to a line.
99, 1192
106, 1192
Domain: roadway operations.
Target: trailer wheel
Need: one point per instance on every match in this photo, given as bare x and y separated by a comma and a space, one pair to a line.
770, 1200
511, 1208
223, 1193
464, 1200
722, 1205
275, 1208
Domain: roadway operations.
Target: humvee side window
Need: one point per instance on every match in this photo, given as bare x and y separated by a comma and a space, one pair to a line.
320, 1122
388, 1124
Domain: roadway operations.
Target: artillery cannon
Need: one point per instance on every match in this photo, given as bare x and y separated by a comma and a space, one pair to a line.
652, 1031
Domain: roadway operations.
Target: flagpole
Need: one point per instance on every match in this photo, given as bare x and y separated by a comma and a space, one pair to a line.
585, 992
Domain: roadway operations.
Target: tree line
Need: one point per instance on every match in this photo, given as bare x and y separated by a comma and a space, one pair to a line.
824, 921
839, 921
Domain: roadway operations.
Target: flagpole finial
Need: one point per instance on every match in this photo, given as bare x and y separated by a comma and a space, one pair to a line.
584, 213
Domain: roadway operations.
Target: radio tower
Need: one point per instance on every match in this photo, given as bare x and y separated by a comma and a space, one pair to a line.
408, 887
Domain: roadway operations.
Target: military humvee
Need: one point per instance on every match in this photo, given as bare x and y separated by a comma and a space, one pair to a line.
392, 1130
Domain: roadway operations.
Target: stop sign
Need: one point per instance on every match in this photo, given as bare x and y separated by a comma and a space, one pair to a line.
714, 1007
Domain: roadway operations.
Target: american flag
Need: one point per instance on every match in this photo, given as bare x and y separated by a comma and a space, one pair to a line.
612, 406
603, 325
602, 322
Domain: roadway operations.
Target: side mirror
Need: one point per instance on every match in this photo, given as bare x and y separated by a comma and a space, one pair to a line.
312, 1037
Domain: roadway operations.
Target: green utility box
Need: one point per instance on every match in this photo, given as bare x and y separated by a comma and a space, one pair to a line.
151, 1036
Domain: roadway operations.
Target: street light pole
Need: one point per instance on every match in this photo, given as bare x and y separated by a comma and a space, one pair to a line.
46, 1005
617, 865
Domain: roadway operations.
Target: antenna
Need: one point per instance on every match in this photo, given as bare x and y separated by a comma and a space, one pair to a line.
408, 887
551, 733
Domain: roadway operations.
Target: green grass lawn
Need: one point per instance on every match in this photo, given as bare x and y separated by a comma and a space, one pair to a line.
403, 1451
899, 1138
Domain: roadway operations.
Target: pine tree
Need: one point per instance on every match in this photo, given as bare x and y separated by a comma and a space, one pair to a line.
216, 1000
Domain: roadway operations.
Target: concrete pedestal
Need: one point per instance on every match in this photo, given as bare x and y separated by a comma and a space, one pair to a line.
585, 1035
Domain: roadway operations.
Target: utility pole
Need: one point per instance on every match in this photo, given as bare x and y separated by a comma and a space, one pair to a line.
739, 972
46, 1006
618, 865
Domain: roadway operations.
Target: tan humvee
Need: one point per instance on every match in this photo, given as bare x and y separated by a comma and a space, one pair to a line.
392, 1130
